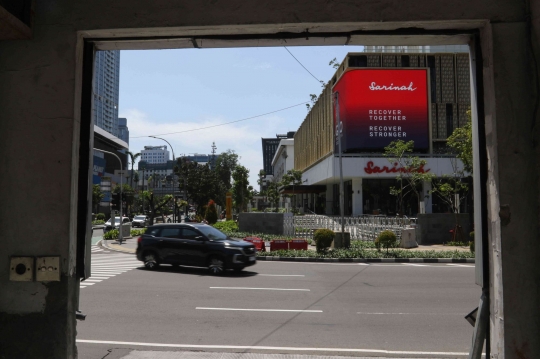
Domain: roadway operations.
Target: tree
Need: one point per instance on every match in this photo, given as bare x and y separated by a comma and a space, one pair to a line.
97, 196
132, 158
272, 192
199, 182
292, 177
240, 189
211, 212
226, 163
155, 203
461, 142
128, 196
411, 173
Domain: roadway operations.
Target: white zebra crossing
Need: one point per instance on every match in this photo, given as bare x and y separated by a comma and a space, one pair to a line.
97, 249
105, 266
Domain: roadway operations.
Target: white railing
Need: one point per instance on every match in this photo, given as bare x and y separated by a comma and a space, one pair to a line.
364, 228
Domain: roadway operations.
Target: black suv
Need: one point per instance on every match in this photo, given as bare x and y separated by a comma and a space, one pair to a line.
194, 244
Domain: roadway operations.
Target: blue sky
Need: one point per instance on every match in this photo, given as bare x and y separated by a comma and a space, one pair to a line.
168, 91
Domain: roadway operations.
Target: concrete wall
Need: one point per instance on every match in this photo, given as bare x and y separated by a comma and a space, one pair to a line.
40, 103
269, 223
433, 228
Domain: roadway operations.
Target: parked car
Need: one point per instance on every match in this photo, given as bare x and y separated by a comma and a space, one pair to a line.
193, 244
109, 226
140, 221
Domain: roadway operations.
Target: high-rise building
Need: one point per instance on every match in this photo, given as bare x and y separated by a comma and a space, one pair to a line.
269, 147
106, 89
155, 154
418, 49
123, 130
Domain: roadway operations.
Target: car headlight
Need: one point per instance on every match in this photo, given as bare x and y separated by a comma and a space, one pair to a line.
236, 248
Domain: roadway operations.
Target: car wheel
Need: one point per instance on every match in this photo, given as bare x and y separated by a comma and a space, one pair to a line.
216, 265
169, 221
150, 261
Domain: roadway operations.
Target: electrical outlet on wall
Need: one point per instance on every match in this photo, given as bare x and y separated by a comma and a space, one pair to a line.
21, 269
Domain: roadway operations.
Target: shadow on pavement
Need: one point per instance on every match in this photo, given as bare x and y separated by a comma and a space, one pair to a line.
198, 271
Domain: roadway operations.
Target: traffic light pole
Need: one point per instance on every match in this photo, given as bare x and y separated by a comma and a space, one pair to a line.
120, 237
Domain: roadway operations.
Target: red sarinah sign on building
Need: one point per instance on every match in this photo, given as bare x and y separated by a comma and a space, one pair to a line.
378, 106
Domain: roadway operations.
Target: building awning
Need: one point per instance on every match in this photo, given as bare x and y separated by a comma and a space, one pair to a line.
302, 189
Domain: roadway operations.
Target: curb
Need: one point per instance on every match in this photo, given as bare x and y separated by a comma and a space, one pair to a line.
366, 260
113, 247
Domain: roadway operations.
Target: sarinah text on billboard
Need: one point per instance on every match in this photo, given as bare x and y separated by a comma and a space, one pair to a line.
378, 106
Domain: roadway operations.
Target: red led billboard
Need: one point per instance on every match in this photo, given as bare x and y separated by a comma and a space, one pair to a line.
378, 106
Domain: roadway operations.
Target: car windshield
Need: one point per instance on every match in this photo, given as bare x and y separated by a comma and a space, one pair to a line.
213, 233
139, 217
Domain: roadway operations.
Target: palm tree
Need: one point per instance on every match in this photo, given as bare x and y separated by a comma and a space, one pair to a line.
133, 157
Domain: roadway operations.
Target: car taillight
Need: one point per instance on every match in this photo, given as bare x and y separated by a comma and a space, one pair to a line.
139, 240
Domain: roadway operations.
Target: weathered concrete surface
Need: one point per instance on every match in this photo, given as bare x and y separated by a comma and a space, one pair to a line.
39, 128
259, 222
433, 228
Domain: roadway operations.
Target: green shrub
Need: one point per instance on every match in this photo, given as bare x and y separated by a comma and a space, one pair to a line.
100, 216
211, 213
98, 222
227, 227
471, 235
137, 232
323, 239
112, 234
386, 239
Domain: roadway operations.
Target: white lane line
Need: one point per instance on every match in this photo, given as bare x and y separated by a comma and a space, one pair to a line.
301, 290
415, 265
93, 280
100, 277
248, 347
459, 265
263, 310
368, 313
373, 264
85, 283
281, 275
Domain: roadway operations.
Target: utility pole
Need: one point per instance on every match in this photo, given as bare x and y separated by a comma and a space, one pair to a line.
174, 199
339, 134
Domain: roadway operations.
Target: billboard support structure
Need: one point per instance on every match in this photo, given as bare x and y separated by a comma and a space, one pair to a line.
339, 133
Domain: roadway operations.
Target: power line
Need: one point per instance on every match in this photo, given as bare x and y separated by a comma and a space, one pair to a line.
225, 123
319, 81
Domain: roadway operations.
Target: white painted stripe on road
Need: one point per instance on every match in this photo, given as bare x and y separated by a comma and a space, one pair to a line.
253, 347
415, 265
263, 310
281, 275
101, 277
459, 265
86, 283
301, 290
367, 313
93, 280
372, 264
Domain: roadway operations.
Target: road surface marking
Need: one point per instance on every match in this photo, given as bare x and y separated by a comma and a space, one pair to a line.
460, 265
303, 290
93, 280
415, 265
263, 310
247, 347
282, 275
367, 313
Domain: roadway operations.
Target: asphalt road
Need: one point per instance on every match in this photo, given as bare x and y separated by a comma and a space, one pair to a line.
387, 310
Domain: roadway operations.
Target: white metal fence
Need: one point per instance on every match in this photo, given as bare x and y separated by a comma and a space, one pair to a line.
361, 228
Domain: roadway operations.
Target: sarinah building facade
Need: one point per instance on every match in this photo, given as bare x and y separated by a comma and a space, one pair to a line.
381, 98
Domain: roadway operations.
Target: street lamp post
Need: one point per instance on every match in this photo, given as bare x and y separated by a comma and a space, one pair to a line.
339, 134
120, 237
174, 199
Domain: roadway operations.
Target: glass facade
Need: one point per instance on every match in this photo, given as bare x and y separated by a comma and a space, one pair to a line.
106, 90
